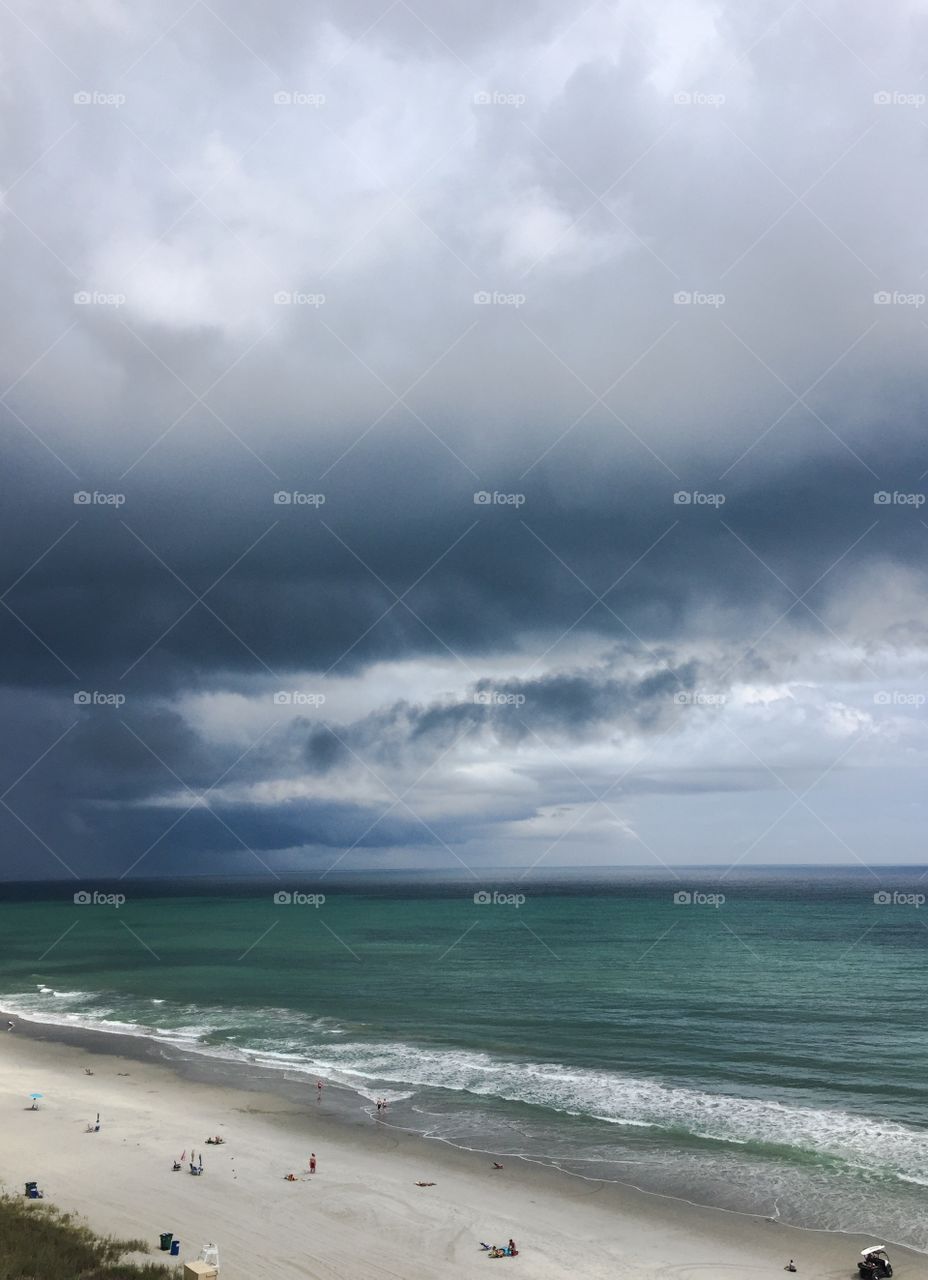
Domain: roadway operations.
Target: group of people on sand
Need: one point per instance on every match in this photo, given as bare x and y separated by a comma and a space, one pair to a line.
381, 1104
291, 1177
496, 1251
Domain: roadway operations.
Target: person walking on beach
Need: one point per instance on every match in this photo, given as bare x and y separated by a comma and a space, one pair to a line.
318, 1090
312, 1162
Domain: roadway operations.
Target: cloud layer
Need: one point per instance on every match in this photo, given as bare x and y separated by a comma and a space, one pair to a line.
534, 400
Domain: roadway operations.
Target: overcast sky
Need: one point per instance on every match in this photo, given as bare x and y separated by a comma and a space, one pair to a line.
462, 436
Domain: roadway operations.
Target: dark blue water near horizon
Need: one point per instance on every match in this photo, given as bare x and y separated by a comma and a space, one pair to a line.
755, 1039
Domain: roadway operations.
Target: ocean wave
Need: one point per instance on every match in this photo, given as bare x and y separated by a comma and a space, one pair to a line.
285, 1040
766, 1125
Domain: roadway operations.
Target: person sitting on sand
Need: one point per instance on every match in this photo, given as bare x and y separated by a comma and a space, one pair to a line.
290, 1177
513, 1251
497, 1165
790, 1266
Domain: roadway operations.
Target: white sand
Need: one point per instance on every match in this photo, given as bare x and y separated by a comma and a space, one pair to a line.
361, 1215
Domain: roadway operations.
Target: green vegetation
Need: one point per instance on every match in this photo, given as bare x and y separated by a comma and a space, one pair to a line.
37, 1242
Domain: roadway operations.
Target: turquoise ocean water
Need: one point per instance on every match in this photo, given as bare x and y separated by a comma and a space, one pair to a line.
765, 1053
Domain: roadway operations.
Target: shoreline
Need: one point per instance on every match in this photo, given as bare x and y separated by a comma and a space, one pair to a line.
546, 1208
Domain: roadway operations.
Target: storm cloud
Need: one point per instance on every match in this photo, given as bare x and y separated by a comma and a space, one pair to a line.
419, 423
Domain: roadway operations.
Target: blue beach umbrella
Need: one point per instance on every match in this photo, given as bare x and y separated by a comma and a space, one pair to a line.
35, 1100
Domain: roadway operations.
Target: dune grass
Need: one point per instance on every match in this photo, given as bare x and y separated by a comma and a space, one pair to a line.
38, 1242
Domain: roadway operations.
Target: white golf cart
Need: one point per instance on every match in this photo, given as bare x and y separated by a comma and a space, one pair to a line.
874, 1264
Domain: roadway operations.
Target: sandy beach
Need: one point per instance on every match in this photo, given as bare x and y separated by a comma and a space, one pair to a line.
361, 1214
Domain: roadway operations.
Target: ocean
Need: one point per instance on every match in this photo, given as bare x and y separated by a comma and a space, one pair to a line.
756, 1040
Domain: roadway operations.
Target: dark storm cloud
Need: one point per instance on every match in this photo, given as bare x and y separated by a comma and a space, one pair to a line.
139, 783
571, 704
313, 589
533, 159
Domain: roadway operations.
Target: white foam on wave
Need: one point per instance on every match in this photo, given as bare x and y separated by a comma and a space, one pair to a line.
64, 995
188, 1026
643, 1103
285, 1040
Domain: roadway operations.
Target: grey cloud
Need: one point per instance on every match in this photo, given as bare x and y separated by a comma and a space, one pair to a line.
510, 711
581, 198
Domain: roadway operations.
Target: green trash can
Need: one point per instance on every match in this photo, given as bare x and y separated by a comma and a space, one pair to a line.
166, 1238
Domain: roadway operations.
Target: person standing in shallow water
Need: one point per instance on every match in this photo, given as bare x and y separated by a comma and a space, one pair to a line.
312, 1162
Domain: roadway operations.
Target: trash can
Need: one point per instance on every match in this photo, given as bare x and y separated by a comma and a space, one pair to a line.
166, 1238
175, 1248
